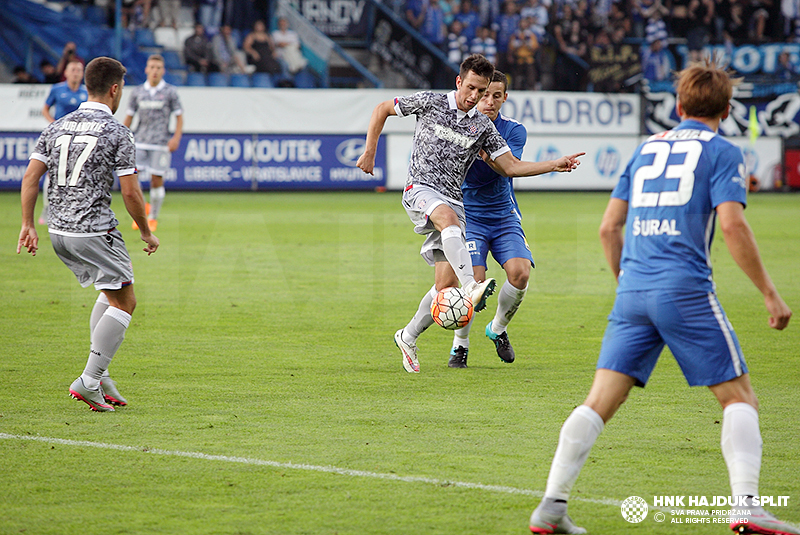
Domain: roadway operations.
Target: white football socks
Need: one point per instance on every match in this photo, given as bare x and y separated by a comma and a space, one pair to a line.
508, 301
106, 339
457, 255
156, 200
578, 435
98, 310
422, 319
741, 447
461, 336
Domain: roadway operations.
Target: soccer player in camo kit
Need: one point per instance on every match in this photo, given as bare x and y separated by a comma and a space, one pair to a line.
82, 151
155, 101
494, 224
449, 135
673, 189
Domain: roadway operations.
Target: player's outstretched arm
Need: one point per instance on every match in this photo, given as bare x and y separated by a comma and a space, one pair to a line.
742, 244
612, 232
134, 203
383, 110
28, 238
508, 165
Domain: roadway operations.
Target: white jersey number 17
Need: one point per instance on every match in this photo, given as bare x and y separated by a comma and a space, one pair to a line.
64, 143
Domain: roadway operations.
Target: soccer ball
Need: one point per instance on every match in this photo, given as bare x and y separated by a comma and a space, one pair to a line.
452, 309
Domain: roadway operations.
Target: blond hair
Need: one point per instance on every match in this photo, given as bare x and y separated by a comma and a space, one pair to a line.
705, 89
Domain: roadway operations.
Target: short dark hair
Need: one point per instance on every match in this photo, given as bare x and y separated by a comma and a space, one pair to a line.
500, 76
477, 64
102, 73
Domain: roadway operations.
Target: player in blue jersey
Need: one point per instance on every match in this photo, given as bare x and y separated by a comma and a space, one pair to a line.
494, 224
674, 188
64, 98
68, 95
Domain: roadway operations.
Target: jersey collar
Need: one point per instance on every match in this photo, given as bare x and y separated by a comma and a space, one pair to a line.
451, 99
95, 106
692, 124
159, 85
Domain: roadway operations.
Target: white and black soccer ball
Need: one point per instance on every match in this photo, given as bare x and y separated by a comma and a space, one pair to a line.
452, 309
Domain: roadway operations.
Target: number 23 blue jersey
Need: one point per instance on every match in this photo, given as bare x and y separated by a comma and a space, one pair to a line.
672, 184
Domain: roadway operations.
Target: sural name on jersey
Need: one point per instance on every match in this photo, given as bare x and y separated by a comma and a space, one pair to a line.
686, 133
654, 227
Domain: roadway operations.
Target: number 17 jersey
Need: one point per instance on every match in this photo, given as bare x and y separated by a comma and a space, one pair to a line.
672, 184
82, 150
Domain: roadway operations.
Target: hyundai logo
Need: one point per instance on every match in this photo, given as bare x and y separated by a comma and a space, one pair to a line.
350, 150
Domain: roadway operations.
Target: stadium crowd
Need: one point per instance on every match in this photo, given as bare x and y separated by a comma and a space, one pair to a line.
553, 44
561, 45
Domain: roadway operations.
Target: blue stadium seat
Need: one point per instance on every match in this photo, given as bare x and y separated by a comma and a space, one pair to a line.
240, 80
304, 80
175, 77
218, 79
144, 37
262, 79
172, 60
196, 79
95, 15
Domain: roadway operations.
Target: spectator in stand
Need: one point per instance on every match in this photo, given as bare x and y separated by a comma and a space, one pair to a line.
701, 26
643, 11
209, 14
457, 45
757, 12
790, 13
261, 50
68, 54
786, 71
599, 13
433, 27
656, 60
617, 18
49, 72
656, 28
415, 12
22, 76
572, 42
582, 12
485, 45
287, 43
170, 12
540, 18
736, 29
198, 53
522, 56
469, 19
449, 12
227, 55
488, 11
507, 24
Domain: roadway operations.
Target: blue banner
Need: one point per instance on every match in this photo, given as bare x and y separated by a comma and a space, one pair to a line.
240, 162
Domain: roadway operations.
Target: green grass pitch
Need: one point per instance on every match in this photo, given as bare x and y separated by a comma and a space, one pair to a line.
261, 351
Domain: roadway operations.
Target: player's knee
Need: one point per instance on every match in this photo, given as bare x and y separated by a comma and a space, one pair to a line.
519, 279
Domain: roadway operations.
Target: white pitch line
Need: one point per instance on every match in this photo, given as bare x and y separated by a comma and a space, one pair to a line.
295, 466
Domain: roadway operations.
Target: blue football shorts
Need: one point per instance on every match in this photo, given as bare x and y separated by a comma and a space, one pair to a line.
504, 238
693, 326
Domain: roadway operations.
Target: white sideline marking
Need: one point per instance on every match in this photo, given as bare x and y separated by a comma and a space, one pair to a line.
294, 466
